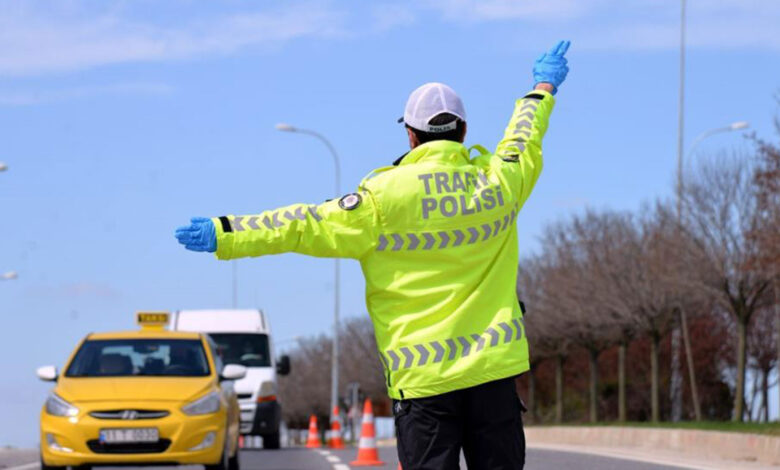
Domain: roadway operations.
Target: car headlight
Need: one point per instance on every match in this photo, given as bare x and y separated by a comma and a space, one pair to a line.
203, 405
56, 406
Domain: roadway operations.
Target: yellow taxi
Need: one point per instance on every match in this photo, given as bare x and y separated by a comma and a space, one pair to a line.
150, 396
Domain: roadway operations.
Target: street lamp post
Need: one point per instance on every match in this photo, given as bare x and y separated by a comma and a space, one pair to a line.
734, 126
334, 372
677, 407
675, 382
676, 379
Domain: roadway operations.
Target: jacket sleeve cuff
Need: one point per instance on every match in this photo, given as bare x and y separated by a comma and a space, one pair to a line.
540, 94
224, 237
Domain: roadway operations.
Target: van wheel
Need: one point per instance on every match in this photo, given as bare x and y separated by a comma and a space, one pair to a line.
271, 441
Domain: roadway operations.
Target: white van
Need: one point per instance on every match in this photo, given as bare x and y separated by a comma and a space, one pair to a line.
244, 337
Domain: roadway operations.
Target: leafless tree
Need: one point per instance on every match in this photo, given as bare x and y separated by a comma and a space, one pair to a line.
588, 307
766, 233
306, 390
543, 323
360, 361
607, 238
648, 282
721, 213
528, 284
762, 340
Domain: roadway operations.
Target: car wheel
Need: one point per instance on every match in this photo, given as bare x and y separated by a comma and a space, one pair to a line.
223, 463
49, 467
271, 441
233, 462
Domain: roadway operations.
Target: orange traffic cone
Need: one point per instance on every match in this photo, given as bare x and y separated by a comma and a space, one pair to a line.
313, 440
335, 441
367, 451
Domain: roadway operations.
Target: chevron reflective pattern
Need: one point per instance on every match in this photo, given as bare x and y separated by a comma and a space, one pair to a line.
524, 124
240, 223
525, 118
453, 349
445, 238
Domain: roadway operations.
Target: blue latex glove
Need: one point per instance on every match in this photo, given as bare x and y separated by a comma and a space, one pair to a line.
551, 66
200, 235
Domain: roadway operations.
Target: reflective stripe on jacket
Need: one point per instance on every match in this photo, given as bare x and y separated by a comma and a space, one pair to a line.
437, 241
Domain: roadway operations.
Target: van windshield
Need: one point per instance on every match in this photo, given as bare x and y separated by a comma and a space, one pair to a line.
247, 349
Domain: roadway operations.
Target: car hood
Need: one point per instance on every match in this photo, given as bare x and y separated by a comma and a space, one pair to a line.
90, 389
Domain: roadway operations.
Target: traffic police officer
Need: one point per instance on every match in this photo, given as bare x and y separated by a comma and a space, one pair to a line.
436, 237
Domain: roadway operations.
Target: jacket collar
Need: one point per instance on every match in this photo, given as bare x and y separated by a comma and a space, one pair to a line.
435, 151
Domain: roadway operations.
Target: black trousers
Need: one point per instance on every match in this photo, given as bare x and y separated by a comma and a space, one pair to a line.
485, 421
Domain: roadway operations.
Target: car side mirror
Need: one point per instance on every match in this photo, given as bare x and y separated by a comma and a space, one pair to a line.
47, 373
283, 365
233, 372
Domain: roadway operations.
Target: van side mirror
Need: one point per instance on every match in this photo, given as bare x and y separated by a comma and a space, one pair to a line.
47, 373
283, 365
233, 372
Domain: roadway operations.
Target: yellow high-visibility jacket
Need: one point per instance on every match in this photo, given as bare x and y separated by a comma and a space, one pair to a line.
437, 240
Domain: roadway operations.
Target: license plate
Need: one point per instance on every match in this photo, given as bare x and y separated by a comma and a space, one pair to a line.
129, 435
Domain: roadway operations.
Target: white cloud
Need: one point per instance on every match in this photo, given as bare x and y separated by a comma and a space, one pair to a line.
628, 25
387, 17
35, 42
28, 98
493, 10
47, 37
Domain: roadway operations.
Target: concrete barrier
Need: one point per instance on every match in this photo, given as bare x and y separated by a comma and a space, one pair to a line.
724, 445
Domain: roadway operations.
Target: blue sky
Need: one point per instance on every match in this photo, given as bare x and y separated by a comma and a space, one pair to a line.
121, 119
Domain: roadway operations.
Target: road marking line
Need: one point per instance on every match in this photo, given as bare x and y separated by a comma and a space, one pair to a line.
333, 459
24, 467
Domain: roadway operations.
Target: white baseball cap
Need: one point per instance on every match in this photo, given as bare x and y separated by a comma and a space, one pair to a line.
427, 102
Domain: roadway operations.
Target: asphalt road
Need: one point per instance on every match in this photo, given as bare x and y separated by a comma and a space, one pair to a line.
305, 459
537, 459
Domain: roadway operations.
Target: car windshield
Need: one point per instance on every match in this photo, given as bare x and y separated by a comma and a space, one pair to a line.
136, 357
250, 350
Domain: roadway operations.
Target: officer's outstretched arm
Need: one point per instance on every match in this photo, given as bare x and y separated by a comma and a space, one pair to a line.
521, 147
343, 228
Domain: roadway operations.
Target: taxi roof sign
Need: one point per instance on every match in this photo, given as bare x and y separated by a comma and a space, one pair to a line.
152, 320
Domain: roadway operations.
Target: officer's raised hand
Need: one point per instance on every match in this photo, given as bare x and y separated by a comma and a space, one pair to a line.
551, 67
200, 235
